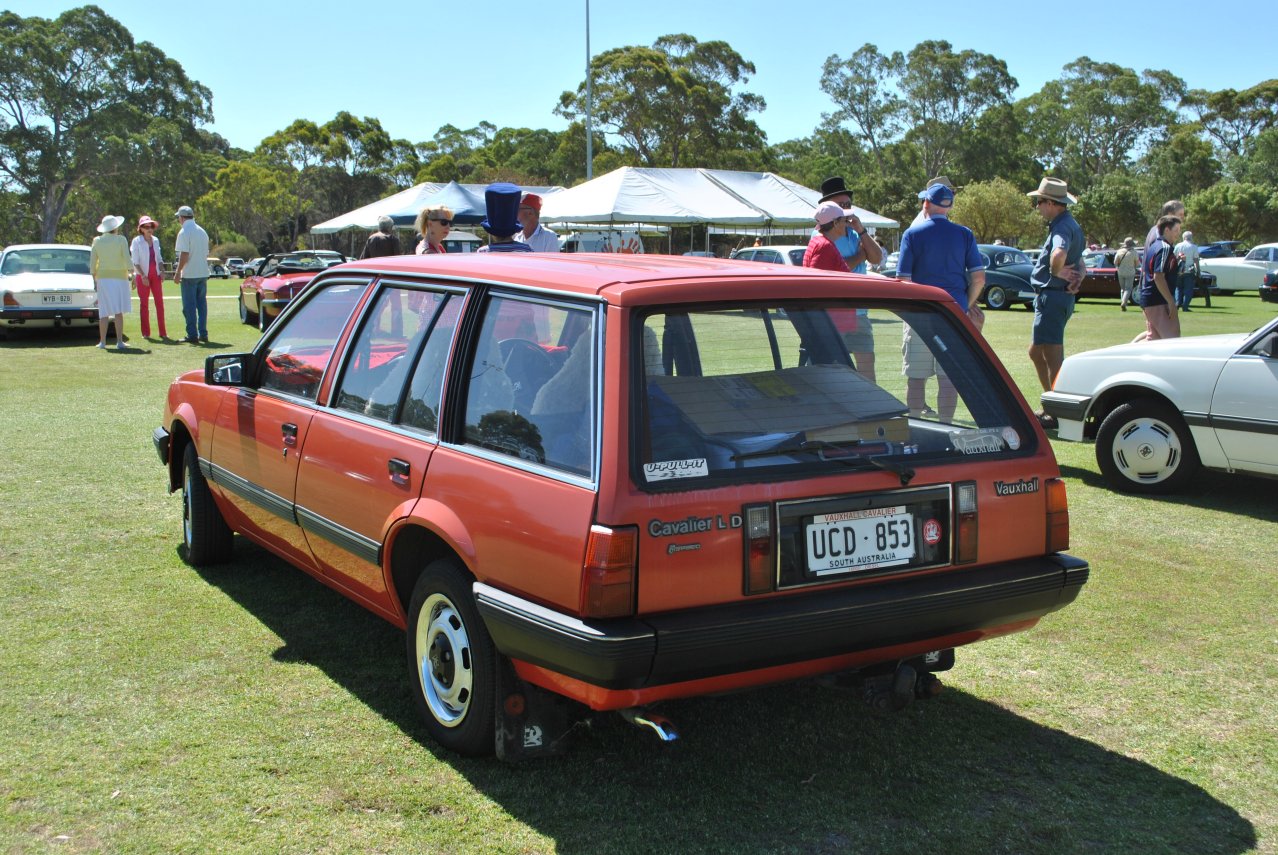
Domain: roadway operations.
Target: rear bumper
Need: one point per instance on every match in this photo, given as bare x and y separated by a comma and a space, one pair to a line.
66, 314
710, 642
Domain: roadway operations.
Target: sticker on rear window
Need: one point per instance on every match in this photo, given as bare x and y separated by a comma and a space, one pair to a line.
664, 470
979, 441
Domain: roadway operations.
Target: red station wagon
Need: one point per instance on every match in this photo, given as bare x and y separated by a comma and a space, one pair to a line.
618, 480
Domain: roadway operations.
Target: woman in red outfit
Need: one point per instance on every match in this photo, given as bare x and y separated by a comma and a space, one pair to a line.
148, 274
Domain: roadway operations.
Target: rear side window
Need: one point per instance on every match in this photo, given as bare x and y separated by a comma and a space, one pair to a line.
531, 391
743, 392
404, 327
299, 352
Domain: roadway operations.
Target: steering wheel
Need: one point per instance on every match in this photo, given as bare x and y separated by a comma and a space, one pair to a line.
528, 366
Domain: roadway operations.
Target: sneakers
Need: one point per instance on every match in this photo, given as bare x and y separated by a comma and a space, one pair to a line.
190, 339
101, 345
204, 338
119, 345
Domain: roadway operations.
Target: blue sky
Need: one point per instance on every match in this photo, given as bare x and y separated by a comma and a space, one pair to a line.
417, 66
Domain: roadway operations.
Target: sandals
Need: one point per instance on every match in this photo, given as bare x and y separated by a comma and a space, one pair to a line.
1047, 420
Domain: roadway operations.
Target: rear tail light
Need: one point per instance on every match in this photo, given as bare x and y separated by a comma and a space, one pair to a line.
965, 522
608, 574
759, 556
1057, 516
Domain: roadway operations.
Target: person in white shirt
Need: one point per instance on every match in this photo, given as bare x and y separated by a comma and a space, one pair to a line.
192, 274
532, 232
1187, 255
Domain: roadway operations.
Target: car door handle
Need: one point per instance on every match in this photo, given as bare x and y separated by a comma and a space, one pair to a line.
399, 470
289, 431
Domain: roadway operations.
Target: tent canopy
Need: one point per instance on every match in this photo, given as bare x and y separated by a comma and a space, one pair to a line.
714, 197
711, 197
466, 201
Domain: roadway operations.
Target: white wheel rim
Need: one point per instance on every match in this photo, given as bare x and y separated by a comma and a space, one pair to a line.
1147, 451
444, 663
186, 507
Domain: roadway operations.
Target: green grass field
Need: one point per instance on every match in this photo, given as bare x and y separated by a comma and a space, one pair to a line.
151, 707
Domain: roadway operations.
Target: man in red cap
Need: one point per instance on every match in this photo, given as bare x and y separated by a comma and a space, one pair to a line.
533, 233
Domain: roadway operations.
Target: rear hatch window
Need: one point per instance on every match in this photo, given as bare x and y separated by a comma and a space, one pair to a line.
752, 392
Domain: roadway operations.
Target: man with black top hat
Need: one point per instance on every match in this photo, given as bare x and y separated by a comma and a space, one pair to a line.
857, 246
501, 202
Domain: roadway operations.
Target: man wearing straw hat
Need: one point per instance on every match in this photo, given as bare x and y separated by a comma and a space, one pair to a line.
1053, 292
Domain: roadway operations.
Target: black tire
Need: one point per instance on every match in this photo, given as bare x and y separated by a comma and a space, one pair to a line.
206, 538
452, 664
996, 297
1145, 447
246, 317
262, 321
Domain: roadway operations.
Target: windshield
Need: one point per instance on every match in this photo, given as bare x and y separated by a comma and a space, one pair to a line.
46, 260
730, 392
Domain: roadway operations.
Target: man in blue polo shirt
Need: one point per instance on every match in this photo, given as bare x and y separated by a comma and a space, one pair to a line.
943, 254
1055, 279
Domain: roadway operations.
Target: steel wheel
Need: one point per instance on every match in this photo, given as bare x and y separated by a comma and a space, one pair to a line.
1145, 447
452, 662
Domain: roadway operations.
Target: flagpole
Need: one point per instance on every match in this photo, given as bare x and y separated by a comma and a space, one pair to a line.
590, 155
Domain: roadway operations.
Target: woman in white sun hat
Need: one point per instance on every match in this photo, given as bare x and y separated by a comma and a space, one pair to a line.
109, 263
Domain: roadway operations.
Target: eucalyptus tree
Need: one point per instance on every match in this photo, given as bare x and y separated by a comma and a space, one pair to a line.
82, 102
673, 104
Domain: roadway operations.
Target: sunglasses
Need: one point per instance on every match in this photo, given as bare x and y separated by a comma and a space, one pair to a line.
1041, 201
148, 227
442, 221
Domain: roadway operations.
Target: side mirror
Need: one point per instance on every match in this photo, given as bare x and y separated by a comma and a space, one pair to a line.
1268, 346
227, 369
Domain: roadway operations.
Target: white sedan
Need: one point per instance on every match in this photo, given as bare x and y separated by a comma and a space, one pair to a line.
46, 285
1159, 410
789, 254
1243, 274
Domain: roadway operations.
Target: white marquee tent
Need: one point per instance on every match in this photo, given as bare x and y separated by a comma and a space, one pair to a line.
713, 197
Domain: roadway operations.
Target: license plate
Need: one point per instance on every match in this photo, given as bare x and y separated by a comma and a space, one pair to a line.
860, 540
56, 299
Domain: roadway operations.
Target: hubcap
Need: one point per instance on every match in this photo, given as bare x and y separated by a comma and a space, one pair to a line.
444, 661
1147, 451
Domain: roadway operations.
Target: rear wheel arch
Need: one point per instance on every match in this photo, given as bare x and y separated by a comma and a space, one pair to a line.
413, 547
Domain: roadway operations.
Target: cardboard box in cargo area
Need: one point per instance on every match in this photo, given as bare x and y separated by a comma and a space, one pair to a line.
830, 402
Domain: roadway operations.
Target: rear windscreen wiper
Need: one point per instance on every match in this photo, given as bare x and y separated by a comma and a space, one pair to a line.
806, 446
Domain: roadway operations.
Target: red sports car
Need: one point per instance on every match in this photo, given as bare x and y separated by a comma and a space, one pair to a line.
279, 279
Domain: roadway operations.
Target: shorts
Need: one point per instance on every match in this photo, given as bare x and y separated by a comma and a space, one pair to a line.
861, 341
1052, 310
917, 361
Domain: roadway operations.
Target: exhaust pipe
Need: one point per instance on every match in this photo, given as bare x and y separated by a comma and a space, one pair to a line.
659, 724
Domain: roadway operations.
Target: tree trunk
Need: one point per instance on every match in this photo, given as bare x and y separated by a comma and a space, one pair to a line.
55, 205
